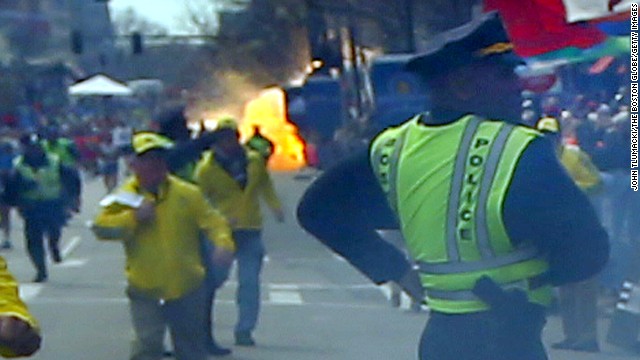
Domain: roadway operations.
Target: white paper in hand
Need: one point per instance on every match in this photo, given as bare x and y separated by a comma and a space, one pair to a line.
123, 198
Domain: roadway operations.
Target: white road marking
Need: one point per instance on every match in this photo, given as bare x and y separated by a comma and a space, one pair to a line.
386, 290
285, 297
71, 246
72, 263
92, 301
29, 291
311, 286
405, 300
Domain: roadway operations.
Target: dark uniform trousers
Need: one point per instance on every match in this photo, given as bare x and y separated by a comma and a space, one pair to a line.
487, 335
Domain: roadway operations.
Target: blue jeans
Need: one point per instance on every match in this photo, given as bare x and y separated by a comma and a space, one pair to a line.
249, 254
619, 214
216, 277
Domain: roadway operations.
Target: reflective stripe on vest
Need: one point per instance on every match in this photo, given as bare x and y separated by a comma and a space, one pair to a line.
47, 179
385, 157
449, 195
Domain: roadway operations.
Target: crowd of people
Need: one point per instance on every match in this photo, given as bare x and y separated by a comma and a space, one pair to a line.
42, 175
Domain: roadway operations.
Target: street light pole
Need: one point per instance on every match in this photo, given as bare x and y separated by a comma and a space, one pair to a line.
411, 42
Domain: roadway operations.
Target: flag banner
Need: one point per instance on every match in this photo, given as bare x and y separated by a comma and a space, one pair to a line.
539, 26
583, 10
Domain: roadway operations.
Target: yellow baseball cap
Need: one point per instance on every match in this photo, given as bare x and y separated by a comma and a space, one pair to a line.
145, 141
548, 124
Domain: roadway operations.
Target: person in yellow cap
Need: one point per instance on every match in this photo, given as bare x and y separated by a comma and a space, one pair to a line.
234, 179
159, 219
487, 212
578, 163
578, 301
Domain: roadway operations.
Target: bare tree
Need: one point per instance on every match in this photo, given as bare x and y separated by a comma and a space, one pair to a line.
201, 16
129, 21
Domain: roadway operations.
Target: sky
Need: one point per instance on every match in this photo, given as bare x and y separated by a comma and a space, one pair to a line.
163, 12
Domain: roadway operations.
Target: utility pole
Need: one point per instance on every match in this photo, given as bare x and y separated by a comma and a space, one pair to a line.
409, 25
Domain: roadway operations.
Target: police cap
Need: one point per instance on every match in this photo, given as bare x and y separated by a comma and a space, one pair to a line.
484, 39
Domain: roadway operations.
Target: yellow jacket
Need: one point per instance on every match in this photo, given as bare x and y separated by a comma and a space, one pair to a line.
240, 206
163, 257
10, 303
579, 166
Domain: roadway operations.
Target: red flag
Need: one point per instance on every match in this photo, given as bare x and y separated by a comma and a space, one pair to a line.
539, 26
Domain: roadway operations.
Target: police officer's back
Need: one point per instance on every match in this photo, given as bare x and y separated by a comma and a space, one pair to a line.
486, 210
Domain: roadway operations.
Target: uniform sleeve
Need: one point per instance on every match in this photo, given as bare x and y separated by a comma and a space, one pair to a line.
73, 150
212, 222
10, 303
343, 208
114, 223
188, 151
12, 188
543, 205
71, 181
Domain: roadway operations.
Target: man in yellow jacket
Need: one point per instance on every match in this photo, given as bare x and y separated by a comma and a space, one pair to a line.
578, 301
19, 333
577, 163
234, 179
159, 218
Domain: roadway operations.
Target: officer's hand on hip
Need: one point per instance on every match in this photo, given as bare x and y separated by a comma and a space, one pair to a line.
410, 283
146, 212
19, 336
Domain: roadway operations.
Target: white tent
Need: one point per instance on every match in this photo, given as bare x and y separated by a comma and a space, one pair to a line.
99, 85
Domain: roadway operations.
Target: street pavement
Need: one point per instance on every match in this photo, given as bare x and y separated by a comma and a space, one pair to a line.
315, 306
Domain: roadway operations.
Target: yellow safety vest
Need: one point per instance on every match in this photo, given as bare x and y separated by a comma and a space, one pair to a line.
447, 183
47, 179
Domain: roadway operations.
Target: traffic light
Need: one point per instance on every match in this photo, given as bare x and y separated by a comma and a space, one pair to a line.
136, 43
76, 42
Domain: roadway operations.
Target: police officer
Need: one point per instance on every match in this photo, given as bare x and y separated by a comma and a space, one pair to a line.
44, 191
60, 146
485, 208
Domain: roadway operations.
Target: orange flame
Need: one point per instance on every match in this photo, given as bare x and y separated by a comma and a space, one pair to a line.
268, 112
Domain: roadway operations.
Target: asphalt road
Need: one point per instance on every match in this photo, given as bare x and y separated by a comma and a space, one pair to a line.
315, 306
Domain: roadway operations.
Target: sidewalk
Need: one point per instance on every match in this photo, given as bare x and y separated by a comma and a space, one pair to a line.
553, 333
